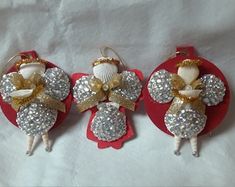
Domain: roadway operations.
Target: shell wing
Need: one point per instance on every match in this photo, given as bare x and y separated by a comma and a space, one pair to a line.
82, 90
160, 86
213, 91
7, 87
57, 83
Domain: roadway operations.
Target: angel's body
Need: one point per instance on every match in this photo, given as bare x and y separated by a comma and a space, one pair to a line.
186, 117
35, 118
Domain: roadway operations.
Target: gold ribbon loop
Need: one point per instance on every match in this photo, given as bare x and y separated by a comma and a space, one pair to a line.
122, 101
36, 83
104, 91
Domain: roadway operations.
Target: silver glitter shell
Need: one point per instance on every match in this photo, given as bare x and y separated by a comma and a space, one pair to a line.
82, 89
6, 87
57, 83
36, 119
160, 87
132, 86
109, 124
186, 123
213, 91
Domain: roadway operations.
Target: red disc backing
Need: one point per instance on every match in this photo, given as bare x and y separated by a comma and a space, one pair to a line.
215, 114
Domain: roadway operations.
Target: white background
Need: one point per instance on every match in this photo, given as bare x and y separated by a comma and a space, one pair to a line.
69, 33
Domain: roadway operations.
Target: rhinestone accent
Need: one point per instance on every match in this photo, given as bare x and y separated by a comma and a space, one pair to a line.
213, 91
186, 123
57, 83
36, 119
132, 86
109, 124
159, 86
6, 87
82, 90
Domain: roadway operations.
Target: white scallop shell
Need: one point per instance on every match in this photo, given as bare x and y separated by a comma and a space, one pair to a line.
105, 71
26, 70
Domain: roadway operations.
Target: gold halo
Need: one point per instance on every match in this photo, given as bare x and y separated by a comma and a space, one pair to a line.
108, 60
28, 61
189, 62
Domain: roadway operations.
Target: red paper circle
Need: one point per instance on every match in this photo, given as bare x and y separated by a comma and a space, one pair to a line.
10, 113
215, 114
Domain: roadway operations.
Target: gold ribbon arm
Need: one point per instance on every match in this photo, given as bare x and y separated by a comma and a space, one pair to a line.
197, 84
51, 102
126, 103
177, 82
91, 101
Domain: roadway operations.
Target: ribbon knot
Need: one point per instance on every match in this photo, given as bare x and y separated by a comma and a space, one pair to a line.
97, 85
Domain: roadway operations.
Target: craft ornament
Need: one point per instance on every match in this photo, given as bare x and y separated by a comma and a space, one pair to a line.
189, 95
36, 93
108, 93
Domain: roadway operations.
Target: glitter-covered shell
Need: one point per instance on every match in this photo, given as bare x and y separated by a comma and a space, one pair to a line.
6, 87
109, 124
57, 83
160, 87
213, 91
82, 89
186, 123
36, 119
131, 88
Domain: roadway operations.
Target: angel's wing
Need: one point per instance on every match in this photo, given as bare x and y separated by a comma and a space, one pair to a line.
213, 91
160, 86
7, 86
82, 90
131, 88
57, 83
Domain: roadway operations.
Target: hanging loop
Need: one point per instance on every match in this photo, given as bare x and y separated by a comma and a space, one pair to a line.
103, 51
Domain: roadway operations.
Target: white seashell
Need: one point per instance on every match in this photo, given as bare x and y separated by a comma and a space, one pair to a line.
188, 73
26, 70
190, 93
105, 71
22, 93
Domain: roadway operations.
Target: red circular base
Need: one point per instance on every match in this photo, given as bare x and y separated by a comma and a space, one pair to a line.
10, 113
215, 114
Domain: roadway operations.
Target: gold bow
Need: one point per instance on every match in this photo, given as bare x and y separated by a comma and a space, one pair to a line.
36, 83
178, 84
105, 91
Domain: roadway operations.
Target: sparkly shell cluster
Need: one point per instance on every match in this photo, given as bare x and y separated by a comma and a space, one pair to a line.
109, 123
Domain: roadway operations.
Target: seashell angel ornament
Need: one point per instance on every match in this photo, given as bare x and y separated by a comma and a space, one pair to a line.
190, 95
108, 94
36, 93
